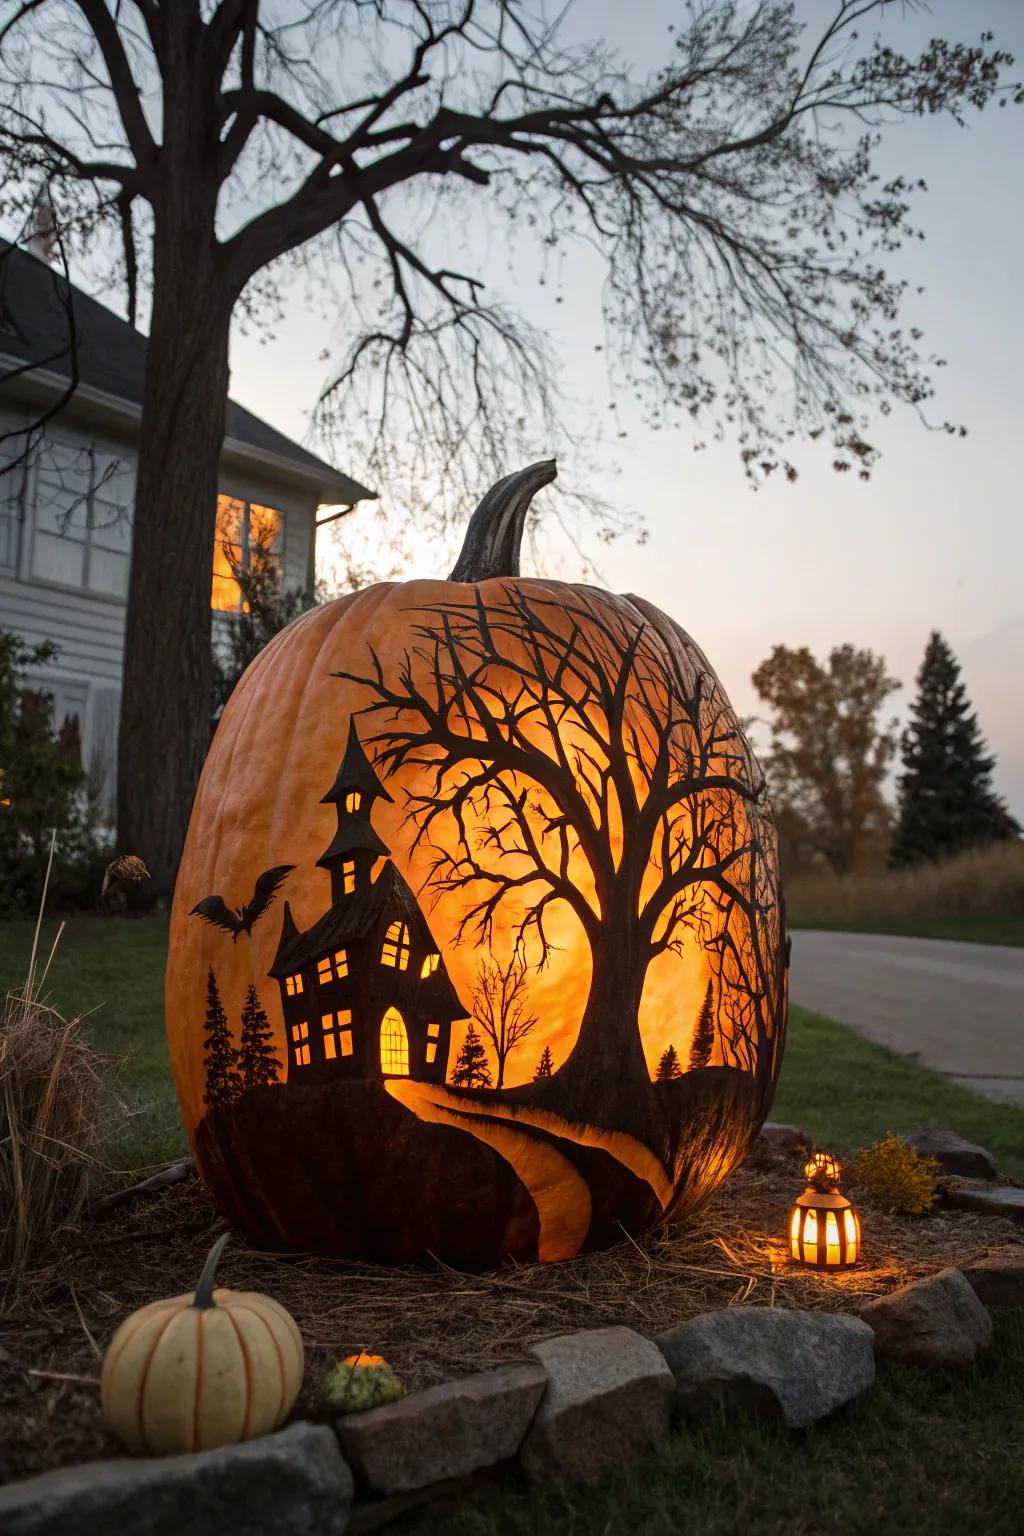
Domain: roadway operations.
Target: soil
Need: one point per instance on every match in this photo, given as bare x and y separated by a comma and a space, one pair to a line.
433, 1322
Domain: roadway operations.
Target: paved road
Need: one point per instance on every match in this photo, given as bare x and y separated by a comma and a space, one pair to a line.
958, 1007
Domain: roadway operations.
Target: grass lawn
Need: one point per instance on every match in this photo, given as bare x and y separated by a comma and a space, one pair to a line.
843, 1090
924, 1452
968, 927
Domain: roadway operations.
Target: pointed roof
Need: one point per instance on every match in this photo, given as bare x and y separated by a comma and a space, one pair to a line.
356, 772
354, 835
289, 933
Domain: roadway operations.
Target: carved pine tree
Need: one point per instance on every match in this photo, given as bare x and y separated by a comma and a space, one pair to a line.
471, 1068
545, 1065
220, 1063
704, 1034
257, 1062
668, 1066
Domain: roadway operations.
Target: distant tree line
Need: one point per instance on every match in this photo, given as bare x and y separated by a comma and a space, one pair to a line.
832, 749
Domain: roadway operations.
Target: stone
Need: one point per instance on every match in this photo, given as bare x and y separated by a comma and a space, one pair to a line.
935, 1321
999, 1200
785, 1138
609, 1397
997, 1278
445, 1432
953, 1154
794, 1367
291, 1483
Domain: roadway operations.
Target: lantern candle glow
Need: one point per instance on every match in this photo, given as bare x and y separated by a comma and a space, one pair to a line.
824, 1229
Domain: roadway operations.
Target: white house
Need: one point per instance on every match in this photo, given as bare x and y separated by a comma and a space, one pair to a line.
65, 510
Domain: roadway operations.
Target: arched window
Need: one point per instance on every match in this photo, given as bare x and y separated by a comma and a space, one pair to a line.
396, 946
394, 1045
353, 800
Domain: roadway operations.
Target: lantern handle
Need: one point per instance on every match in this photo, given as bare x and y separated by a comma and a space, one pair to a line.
495, 532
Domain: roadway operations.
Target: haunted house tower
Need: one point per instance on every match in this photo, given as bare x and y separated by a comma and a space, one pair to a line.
365, 991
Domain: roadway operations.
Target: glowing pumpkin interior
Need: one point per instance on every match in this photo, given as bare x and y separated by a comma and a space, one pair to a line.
477, 946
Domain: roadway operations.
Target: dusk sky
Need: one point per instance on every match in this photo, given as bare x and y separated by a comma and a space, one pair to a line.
934, 540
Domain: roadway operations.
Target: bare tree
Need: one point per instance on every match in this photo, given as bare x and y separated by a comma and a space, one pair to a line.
217, 138
499, 1000
541, 726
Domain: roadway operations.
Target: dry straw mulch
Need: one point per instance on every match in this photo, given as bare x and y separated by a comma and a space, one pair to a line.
432, 1323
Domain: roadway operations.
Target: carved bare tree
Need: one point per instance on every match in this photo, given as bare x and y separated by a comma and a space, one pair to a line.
500, 1003
575, 753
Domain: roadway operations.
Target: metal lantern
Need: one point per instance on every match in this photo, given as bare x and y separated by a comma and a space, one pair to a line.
824, 1229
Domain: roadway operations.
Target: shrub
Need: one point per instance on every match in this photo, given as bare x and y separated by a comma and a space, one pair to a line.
893, 1176
43, 788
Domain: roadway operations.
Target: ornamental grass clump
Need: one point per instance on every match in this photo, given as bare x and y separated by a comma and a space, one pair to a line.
51, 1098
894, 1177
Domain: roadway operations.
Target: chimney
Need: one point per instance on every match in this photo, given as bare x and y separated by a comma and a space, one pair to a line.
42, 233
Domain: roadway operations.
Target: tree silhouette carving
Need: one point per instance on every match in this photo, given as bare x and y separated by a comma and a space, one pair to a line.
580, 751
471, 1069
703, 1042
258, 1064
668, 1066
220, 1063
499, 1000
545, 1066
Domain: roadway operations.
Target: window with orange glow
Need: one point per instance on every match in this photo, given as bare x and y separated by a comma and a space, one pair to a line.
396, 947
337, 1028
246, 534
353, 800
293, 985
332, 967
394, 1045
348, 876
430, 965
300, 1044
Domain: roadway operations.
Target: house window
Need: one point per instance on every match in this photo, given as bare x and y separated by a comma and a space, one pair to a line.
332, 967
300, 1044
396, 947
430, 965
353, 800
348, 876
83, 517
394, 1045
293, 985
433, 1032
337, 1028
248, 539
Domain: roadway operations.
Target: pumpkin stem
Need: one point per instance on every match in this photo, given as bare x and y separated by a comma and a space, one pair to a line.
203, 1298
495, 532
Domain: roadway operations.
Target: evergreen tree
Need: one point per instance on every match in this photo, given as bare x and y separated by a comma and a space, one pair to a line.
223, 1084
946, 799
668, 1066
471, 1069
704, 1035
545, 1066
258, 1064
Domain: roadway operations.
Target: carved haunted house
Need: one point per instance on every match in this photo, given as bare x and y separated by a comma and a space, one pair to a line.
365, 991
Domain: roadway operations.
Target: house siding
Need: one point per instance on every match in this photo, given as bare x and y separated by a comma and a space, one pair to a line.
88, 629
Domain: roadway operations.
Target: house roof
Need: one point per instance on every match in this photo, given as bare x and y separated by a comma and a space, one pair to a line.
356, 772
354, 918
111, 356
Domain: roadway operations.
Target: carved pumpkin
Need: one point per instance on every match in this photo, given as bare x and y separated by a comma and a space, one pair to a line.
477, 945
206, 1369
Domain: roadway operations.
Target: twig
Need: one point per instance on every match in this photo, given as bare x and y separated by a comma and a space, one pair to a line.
87, 1381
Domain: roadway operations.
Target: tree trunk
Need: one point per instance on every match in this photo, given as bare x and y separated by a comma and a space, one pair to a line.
165, 704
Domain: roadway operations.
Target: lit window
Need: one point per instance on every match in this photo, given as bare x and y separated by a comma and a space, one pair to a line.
341, 964
431, 1052
332, 968
247, 541
300, 1044
396, 946
394, 1045
331, 1023
293, 985
348, 876
430, 965
353, 800
433, 1030
324, 971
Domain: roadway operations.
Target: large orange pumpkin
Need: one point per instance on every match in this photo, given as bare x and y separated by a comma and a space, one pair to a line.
477, 945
